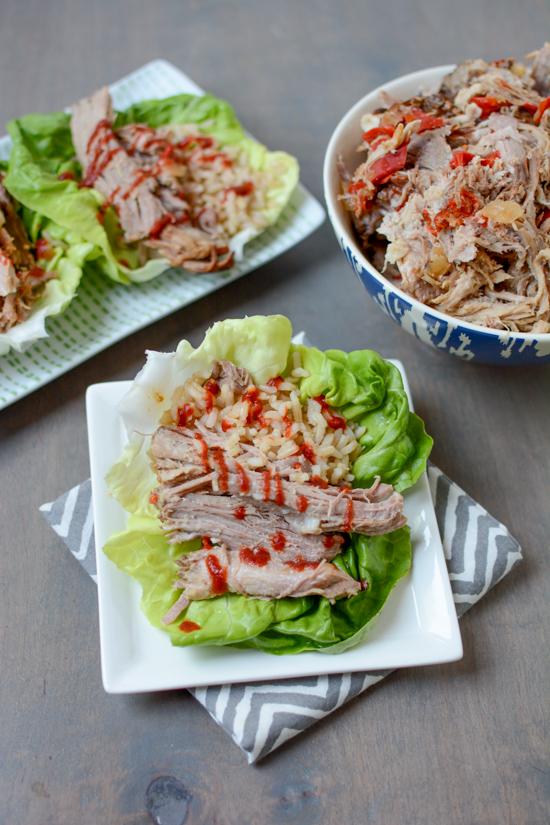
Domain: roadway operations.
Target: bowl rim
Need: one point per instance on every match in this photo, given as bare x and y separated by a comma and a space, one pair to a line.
333, 208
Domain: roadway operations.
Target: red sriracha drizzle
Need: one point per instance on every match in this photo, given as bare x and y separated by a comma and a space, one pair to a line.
279, 492
335, 422
489, 159
278, 541
328, 541
299, 563
259, 557
206, 543
267, 484
275, 382
242, 190
244, 481
218, 575
153, 498
43, 249
204, 451
317, 481
240, 512
302, 504
308, 453
188, 626
184, 415
348, 519
222, 469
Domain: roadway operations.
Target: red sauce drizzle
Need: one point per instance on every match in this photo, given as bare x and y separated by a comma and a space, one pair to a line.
212, 387
226, 425
101, 124
328, 541
227, 162
299, 563
317, 481
240, 512
160, 225
207, 543
185, 415
275, 382
68, 175
43, 249
244, 481
259, 557
279, 492
267, 484
278, 541
335, 422
288, 422
308, 452
243, 189
222, 471
106, 204
218, 574
302, 504
100, 162
348, 519
204, 451
153, 498
188, 627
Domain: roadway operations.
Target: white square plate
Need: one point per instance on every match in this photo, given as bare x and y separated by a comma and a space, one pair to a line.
104, 312
417, 626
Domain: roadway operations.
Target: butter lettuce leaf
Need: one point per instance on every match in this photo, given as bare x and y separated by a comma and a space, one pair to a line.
42, 150
360, 385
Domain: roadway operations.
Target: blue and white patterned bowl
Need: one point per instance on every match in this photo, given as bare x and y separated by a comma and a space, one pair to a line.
467, 341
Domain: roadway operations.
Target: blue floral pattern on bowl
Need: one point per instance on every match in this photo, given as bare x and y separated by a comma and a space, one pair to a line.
491, 347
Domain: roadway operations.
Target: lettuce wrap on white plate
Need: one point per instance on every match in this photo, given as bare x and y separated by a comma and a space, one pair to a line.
173, 182
332, 426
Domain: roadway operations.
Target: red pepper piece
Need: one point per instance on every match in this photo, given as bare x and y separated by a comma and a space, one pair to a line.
377, 132
541, 108
488, 104
461, 158
383, 168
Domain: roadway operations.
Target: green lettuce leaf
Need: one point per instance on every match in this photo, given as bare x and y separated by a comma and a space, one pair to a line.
42, 149
364, 388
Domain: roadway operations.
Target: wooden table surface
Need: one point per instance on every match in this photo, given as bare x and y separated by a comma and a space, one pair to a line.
463, 743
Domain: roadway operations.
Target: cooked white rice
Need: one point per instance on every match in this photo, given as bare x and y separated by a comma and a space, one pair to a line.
285, 425
210, 183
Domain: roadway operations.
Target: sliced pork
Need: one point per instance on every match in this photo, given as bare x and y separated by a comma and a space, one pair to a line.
215, 571
136, 191
184, 463
239, 521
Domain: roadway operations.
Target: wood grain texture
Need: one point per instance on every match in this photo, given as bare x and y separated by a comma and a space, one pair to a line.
459, 744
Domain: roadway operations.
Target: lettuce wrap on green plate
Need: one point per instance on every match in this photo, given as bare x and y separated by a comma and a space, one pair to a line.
41, 266
185, 186
356, 399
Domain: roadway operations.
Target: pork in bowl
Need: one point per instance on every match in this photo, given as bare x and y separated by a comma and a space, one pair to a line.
438, 188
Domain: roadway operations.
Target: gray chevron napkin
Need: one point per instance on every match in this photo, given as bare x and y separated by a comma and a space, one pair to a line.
261, 716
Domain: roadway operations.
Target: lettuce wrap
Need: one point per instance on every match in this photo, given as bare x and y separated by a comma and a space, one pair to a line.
361, 385
68, 255
43, 174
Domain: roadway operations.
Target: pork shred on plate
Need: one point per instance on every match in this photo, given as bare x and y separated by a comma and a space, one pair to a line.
264, 480
21, 280
453, 198
176, 193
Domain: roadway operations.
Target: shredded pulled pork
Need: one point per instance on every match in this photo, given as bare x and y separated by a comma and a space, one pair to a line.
453, 197
21, 280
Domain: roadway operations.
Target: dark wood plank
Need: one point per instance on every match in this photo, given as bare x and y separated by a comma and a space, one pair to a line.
462, 743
